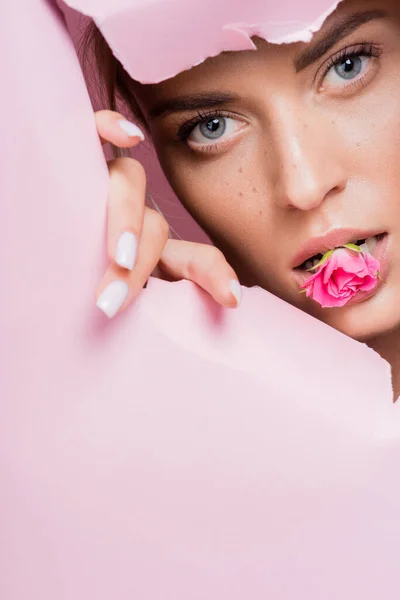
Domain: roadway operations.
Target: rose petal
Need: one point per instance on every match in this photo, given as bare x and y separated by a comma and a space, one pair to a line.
368, 284
341, 276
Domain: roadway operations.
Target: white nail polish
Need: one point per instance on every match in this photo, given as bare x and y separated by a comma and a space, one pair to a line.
131, 129
112, 298
125, 254
236, 290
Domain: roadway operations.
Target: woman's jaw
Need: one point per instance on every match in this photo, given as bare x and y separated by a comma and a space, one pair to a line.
366, 317
353, 318
367, 314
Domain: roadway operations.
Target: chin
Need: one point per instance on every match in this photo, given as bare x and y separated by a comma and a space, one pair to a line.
375, 317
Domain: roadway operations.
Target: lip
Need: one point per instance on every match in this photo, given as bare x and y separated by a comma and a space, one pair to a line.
381, 253
330, 241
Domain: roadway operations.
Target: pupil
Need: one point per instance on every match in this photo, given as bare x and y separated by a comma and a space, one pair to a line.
349, 65
213, 125
349, 68
213, 128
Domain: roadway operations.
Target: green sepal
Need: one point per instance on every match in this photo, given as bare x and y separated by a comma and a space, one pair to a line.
330, 252
322, 261
378, 275
352, 247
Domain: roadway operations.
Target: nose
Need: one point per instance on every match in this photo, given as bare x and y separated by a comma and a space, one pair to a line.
309, 166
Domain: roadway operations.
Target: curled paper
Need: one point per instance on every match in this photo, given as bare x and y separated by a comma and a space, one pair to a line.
157, 39
181, 451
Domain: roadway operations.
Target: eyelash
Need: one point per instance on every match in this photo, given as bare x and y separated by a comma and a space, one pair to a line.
365, 49
188, 126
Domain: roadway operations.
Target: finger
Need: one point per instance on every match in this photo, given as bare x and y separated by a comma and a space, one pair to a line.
119, 287
114, 128
205, 265
125, 210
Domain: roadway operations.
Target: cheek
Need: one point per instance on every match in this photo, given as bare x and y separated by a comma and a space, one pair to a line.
372, 138
229, 198
226, 195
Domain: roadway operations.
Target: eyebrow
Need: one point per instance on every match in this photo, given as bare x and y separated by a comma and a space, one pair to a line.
187, 103
338, 31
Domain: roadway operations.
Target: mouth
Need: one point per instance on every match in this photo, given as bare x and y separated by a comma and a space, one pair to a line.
376, 244
308, 258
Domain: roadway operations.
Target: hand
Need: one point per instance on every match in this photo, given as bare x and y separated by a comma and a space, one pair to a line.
137, 236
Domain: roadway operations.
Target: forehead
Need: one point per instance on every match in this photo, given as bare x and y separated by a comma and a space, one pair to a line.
229, 66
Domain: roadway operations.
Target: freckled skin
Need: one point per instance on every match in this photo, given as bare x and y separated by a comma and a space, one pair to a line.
306, 159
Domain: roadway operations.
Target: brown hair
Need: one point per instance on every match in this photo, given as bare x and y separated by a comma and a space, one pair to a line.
106, 76
111, 86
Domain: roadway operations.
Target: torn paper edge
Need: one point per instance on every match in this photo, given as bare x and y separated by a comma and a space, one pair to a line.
247, 31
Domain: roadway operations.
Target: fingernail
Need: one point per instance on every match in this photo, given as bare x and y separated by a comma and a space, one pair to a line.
125, 254
131, 129
112, 298
236, 290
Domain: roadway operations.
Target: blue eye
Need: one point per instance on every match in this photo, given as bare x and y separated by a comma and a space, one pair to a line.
350, 67
347, 69
213, 128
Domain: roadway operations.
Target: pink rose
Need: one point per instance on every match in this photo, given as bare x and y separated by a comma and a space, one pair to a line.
342, 274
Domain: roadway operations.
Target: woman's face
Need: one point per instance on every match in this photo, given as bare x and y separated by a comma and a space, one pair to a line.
275, 149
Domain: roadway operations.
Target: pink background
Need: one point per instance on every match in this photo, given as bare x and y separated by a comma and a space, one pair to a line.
166, 454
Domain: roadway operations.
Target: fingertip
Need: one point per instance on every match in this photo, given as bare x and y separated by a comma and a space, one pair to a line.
236, 291
114, 128
112, 298
230, 296
131, 129
126, 251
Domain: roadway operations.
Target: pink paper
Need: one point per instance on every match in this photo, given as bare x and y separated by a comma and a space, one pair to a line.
156, 39
180, 451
